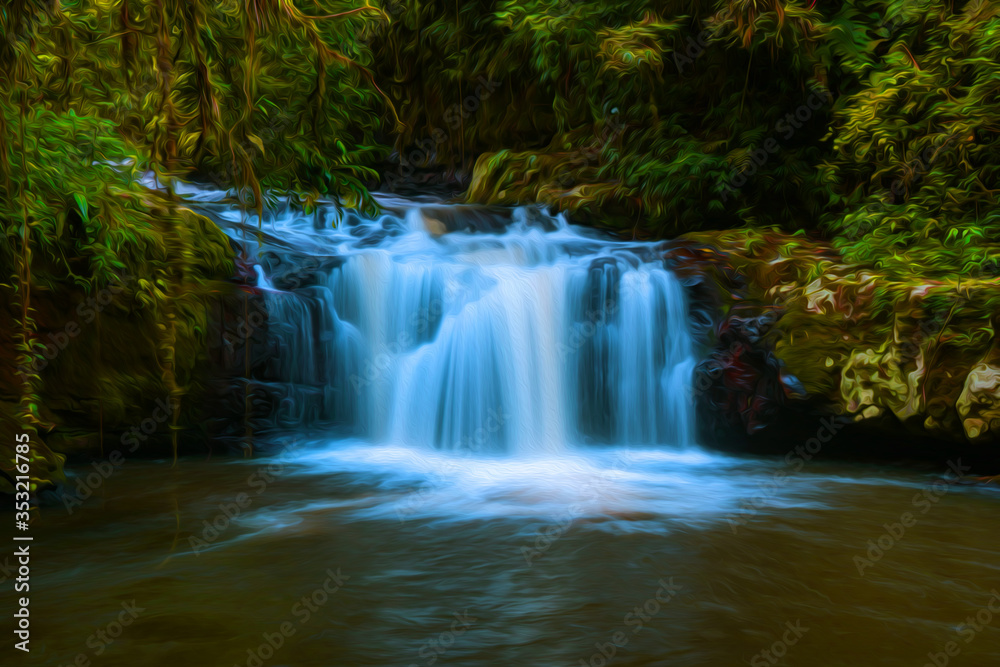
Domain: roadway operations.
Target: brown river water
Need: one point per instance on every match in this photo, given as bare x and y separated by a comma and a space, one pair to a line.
492, 530
334, 554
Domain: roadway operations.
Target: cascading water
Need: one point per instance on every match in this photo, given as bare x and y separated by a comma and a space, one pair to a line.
437, 377
513, 333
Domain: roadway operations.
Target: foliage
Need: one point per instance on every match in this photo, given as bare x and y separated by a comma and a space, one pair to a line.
654, 117
916, 156
258, 95
871, 122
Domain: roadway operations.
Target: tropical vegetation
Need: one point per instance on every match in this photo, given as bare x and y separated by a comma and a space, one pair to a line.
871, 124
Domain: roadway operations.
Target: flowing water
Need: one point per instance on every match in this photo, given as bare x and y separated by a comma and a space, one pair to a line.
484, 455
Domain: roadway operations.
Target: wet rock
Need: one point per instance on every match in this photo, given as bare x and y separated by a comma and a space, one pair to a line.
796, 333
979, 403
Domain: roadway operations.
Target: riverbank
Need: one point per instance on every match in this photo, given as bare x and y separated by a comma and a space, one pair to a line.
553, 559
908, 367
792, 343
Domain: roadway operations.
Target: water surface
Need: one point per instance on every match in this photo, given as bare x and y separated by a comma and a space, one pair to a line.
483, 428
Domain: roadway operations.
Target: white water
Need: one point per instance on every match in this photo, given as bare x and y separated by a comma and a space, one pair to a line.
527, 369
523, 339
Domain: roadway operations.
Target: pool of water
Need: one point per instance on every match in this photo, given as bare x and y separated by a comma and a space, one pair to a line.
347, 553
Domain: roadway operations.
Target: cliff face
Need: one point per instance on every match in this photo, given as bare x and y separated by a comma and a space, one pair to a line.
905, 367
798, 349
126, 364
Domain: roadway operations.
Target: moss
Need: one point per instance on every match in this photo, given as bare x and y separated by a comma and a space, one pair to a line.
865, 343
870, 124
106, 350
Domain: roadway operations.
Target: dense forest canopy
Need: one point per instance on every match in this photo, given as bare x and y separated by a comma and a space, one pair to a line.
685, 115
867, 119
871, 122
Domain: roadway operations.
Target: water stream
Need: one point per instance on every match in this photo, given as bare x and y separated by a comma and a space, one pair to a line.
530, 337
485, 456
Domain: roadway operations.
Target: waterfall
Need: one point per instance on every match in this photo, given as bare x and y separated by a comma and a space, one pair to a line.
472, 329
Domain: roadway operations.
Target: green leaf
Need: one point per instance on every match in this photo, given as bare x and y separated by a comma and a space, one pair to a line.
81, 203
